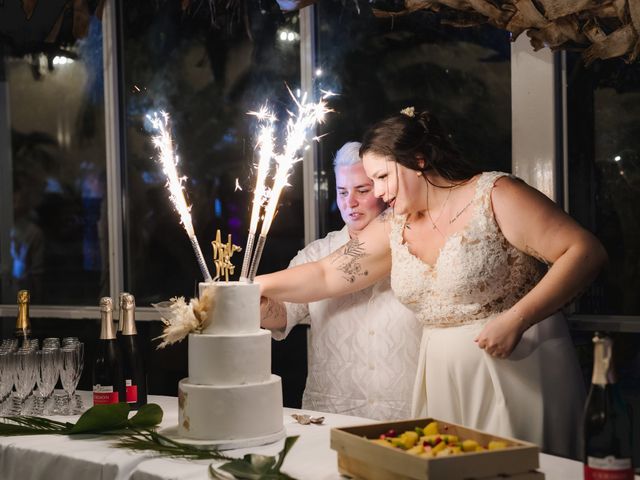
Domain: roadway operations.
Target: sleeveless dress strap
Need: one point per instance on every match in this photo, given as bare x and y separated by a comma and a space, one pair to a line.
485, 184
397, 224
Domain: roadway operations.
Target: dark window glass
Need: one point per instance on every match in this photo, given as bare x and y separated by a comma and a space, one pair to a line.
207, 77
604, 175
56, 155
380, 66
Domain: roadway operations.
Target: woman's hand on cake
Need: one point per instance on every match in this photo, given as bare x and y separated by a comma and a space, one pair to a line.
273, 314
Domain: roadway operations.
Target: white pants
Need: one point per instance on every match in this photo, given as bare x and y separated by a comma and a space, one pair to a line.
537, 394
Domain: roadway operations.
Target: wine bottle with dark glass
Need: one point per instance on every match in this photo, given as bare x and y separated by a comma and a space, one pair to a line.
607, 421
135, 376
108, 383
23, 324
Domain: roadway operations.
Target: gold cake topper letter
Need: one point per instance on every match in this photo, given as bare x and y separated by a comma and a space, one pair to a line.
222, 253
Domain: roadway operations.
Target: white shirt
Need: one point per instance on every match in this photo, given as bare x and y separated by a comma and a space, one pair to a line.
363, 348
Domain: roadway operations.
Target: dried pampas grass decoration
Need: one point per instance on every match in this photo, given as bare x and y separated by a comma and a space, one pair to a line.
181, 318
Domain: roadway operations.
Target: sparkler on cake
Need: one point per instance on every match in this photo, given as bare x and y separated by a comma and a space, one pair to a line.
169, 161
181, 318
298, 127
261, 192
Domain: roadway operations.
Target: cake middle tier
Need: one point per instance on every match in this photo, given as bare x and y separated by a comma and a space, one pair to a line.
229, 359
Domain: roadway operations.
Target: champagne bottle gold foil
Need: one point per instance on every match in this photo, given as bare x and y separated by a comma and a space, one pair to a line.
128, 314
107, 331
121, 316
23, 325
602, 362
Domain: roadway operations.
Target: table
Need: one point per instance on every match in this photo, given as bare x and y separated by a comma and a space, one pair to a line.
91, 457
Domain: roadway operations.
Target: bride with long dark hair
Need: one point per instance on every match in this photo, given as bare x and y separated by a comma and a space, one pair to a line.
486, 262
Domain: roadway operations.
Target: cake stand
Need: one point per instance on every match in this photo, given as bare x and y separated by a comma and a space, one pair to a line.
173, 433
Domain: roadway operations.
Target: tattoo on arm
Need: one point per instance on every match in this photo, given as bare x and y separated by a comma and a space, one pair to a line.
348, 259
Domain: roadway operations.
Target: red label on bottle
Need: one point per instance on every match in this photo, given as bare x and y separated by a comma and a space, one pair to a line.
608, 468
132, 392
104, 394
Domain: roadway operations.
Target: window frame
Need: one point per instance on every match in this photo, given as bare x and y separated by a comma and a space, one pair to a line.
539, 154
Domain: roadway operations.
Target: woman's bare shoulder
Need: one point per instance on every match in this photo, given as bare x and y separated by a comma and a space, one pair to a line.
510, 192
376, 233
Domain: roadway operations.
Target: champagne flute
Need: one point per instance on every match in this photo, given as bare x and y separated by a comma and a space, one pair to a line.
66, 341
10, 344
51, 342
25, 377
46, 377
78, 407
71, 364
7, 374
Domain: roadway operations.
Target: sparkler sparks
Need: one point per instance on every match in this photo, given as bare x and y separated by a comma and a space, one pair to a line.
169, 161
260, 193
298, 127
266, 145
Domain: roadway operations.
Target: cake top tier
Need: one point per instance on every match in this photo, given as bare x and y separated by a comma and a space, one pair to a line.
234, 307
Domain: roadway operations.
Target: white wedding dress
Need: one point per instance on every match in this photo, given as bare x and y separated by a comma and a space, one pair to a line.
537, 394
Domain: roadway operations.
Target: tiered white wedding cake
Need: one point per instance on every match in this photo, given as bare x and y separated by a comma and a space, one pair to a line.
230, 397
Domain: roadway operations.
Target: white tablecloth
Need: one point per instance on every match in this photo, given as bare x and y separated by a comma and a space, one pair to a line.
91, 457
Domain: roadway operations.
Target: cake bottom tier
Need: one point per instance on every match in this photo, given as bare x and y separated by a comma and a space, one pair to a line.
208, 412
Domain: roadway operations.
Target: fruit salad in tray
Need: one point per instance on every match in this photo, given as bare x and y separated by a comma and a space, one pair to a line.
430, 442
431, 449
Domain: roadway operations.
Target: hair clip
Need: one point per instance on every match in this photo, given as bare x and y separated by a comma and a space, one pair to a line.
409, 112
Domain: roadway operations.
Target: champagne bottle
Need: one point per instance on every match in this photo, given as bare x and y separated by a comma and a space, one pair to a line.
23, 325
135, 377
108, 384
607, 422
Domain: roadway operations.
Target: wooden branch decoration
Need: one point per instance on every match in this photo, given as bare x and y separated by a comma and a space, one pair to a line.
601, 28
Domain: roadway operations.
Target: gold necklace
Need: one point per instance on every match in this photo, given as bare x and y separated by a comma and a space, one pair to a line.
433, 222
460, 212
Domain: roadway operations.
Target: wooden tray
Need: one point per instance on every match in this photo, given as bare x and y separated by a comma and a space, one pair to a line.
360, 458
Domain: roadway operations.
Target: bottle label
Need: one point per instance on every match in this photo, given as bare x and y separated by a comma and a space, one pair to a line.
608, 468
104, 394
132, 391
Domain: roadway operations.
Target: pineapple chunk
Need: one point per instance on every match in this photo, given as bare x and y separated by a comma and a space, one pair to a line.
431, 429
409, 439
397, 442
445, 438
497, 445
416, 450
469, 445
454, 450
438, 448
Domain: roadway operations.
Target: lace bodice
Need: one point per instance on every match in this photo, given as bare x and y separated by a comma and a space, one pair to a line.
478, 273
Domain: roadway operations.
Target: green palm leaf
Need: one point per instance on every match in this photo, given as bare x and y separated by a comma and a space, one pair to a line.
136, 433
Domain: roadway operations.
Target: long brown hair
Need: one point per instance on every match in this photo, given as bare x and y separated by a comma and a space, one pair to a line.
408, 139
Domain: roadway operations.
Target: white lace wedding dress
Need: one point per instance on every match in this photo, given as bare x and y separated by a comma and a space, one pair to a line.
537, 394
